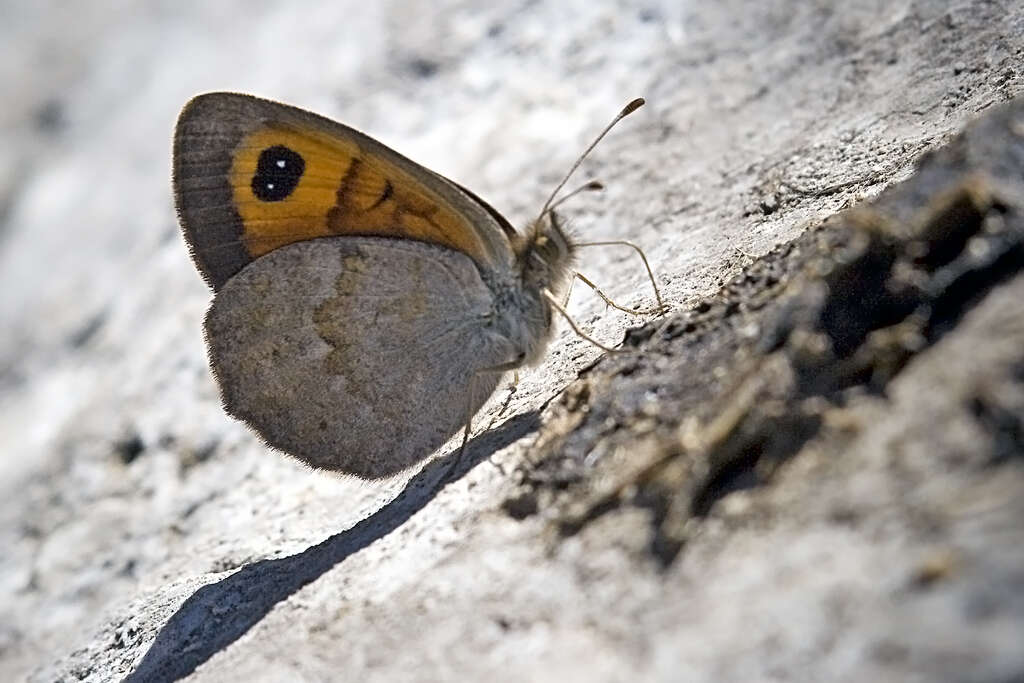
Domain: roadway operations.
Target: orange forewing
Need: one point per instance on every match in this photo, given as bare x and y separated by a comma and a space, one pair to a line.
344, 190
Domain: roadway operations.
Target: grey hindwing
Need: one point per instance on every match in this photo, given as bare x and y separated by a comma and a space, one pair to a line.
355, 354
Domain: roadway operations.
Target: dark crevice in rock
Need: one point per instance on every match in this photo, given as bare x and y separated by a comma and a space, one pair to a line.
1000, 412
129, 447
769, 439
897, 290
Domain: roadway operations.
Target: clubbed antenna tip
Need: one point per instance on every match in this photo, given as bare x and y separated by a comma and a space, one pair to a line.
626, 111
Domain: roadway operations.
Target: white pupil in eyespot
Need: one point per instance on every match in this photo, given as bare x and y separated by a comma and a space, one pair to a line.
277, 174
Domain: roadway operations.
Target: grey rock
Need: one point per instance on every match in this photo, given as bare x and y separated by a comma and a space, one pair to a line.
730, 500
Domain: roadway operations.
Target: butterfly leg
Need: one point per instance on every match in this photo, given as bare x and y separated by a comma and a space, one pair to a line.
647, 266
512, 388
568, 290
576, 275
568, 318
501, 368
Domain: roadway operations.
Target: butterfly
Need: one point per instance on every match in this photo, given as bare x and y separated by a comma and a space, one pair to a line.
364, 306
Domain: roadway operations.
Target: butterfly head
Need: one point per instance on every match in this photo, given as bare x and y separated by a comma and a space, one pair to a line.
545, 254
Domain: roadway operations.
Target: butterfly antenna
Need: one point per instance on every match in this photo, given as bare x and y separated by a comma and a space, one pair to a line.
626, 111
592, 186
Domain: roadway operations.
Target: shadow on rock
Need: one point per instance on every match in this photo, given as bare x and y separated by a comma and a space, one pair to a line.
218, 614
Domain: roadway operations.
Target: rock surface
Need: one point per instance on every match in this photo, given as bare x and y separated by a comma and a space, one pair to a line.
809, 469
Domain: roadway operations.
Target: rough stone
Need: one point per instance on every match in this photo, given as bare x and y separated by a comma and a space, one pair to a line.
808, 469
